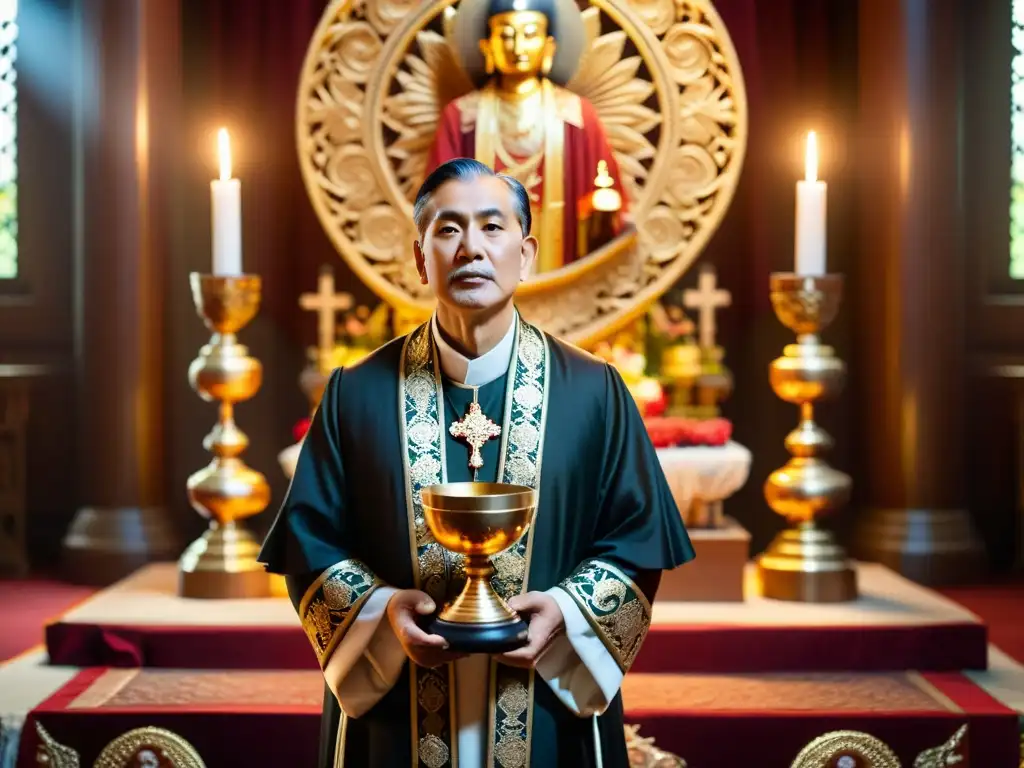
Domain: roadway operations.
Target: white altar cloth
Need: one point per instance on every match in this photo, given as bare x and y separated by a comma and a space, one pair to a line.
702, 477
288, 458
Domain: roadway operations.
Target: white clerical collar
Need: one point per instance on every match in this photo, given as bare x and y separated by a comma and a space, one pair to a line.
477, 371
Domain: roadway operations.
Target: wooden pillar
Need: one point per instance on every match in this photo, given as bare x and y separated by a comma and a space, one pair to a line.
125, 144
910, 291
15, 388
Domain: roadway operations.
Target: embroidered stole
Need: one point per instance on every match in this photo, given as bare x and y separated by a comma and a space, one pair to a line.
439, 572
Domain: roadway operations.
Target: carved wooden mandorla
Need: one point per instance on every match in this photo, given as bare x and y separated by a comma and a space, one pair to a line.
663, 77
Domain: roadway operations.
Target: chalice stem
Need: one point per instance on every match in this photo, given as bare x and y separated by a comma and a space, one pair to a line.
481, 569
477, 601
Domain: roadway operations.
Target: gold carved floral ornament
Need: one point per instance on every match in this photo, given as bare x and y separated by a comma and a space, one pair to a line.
855, 749
662, 75
147, 747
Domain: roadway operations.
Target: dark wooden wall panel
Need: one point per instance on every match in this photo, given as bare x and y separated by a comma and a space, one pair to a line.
37, 311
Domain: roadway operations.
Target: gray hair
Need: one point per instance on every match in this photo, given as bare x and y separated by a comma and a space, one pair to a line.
465, 169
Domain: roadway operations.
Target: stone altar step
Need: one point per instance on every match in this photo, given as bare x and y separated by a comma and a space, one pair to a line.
895, 625
709, 720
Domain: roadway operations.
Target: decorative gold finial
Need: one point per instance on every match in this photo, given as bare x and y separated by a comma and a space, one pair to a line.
944, 755
52, 753
605, 197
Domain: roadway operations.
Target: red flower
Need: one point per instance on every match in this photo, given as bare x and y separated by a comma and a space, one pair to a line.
669, 432
300, 429
655, 408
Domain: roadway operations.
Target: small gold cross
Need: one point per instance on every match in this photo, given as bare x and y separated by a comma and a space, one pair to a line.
476, 429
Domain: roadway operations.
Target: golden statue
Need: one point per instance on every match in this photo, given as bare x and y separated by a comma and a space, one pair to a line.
522, 122
626, 120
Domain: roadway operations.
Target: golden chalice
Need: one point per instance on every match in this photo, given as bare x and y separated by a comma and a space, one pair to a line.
478, 520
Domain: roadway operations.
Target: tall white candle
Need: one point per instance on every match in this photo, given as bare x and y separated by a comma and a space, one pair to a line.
226, 199
810, 215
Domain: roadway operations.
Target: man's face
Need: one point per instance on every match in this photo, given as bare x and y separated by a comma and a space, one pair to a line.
473, 253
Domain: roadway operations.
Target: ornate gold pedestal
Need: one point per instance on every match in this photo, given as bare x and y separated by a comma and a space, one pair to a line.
222, 562
804, 563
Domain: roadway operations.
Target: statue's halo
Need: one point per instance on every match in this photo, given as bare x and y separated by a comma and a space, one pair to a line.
470, 28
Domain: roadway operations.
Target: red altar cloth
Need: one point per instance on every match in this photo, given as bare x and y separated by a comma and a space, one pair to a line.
720, 725
231, 718
895, 625
708, 648
261, 718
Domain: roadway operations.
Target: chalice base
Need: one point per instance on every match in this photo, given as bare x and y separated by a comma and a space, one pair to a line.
221, 564
500, 637
478, 620
804, 564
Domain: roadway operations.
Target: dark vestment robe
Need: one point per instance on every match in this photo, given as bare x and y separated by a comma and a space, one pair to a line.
606, 526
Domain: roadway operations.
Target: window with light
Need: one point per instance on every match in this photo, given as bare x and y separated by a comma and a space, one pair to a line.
1017, 142
8, 140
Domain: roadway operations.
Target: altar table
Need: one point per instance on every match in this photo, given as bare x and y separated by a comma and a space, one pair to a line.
702, 477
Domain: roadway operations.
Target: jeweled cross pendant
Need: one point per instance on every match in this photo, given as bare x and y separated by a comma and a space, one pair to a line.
476, 429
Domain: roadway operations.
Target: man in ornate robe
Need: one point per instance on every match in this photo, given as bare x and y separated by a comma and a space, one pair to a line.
364, 571
523, 124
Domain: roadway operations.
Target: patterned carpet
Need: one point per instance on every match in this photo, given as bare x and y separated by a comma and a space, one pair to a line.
897, 692
168, 688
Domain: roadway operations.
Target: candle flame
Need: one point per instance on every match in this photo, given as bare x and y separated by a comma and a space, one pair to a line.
811, 157
224, 153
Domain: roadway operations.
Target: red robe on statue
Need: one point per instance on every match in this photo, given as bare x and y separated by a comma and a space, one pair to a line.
584, 146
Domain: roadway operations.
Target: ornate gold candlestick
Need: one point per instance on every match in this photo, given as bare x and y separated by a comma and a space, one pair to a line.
222, 562
804, 563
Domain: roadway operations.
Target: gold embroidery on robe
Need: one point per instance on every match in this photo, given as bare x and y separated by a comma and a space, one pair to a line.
434, 744
511, 713
438, 572
511, 707
615, 607
522, 441
332, 602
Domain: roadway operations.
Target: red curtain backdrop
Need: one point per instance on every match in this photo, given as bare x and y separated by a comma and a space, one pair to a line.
247, 58
243, 59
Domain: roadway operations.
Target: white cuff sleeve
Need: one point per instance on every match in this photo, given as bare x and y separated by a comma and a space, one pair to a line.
577, 666
368, 660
